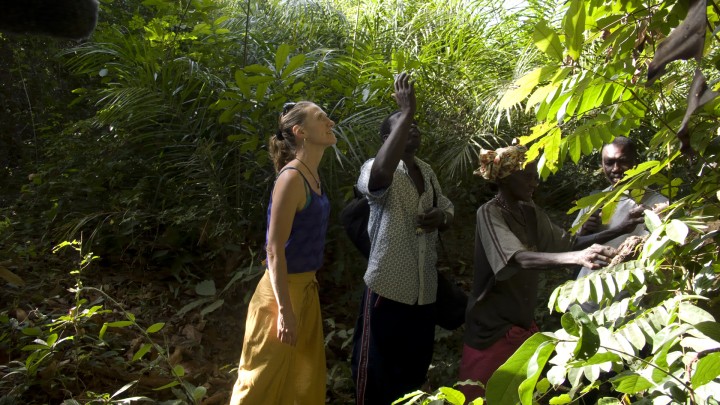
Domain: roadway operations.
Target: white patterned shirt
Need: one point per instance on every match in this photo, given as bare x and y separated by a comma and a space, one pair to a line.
402, 261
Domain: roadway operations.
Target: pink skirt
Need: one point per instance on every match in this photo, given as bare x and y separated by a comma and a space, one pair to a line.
479, 365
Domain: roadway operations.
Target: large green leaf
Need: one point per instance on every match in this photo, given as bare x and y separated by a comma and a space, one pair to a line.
574, 26
677, 231
575, 147
600, 358
630, 383
534, 369
281, 56
591, 97
570, 325
295, 62
588, 344
502, 388
524, 85
710, 329
548, 41
708, 368
689, 313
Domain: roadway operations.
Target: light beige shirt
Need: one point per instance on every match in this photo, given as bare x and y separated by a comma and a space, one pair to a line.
624, 205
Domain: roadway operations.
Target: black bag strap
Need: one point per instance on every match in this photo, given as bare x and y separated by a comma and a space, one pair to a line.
442, 245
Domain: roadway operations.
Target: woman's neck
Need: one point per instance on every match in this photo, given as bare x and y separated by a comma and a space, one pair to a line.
312, 160
507, 201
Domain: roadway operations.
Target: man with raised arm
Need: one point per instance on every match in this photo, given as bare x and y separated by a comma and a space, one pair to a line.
394, 336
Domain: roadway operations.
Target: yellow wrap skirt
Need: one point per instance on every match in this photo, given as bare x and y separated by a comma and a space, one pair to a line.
272, 372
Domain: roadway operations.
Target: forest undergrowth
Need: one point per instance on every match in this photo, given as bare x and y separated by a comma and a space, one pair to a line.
75, 329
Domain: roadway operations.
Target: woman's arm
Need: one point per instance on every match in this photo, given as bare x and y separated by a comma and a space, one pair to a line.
288, 198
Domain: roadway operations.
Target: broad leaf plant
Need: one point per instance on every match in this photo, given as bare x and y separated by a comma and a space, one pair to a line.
618, 68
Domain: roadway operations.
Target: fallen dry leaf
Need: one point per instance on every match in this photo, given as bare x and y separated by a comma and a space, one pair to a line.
11, 277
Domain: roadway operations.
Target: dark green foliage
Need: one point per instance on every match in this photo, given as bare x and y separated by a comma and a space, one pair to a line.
148, 142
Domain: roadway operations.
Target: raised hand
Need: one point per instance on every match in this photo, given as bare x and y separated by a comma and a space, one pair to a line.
405, 93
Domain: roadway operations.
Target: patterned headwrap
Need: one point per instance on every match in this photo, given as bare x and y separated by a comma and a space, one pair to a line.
496, 164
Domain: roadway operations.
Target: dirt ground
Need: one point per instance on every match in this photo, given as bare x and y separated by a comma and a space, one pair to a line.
205, 341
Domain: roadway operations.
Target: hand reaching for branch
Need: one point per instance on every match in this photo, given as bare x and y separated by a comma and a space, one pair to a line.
589, 257
405, 94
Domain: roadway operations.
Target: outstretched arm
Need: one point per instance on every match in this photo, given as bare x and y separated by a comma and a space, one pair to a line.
390, 153
586, 257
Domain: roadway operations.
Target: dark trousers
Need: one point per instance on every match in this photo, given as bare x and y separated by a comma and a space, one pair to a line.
392, 348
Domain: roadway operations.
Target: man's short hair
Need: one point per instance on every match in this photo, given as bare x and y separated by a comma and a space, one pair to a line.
385, 127
625, 143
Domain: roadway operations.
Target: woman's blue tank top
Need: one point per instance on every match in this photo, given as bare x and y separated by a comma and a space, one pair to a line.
305, 247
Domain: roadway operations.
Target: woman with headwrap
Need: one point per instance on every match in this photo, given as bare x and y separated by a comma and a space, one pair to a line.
513, 240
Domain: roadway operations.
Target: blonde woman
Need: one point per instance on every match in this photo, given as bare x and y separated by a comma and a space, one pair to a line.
283, 356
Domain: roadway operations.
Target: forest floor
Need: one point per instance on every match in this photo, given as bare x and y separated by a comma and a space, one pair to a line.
202, 333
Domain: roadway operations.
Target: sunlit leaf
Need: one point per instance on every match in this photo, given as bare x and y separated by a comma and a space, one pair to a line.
452, 395
692, 314
708, 368
534, 368
524, 85
155, 327
574, 26
142, 351
630, 383
548, 41
560, 399
676, 231
410, 397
